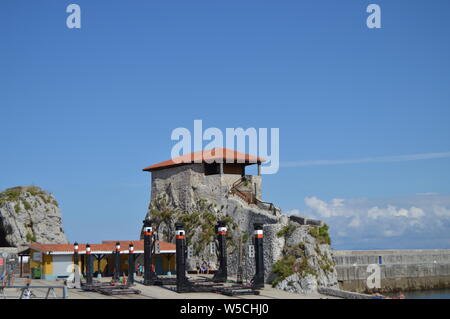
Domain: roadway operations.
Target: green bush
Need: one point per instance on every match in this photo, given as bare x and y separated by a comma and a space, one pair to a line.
26, 205
321, 234
286, 230
31, 238
200, 222
283, 268
45, 198
9, 195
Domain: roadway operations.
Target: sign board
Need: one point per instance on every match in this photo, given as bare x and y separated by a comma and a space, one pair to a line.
251, 251
37, 256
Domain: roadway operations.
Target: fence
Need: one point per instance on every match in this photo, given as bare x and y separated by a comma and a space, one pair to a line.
34, 292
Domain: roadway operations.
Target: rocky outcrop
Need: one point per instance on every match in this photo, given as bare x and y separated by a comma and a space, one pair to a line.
289, 242
306, 260
29, 214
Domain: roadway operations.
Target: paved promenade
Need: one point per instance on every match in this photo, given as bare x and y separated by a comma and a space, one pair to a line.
151, 292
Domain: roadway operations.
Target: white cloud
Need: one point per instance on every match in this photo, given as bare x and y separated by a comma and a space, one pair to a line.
356, 222
319, 206
334, 208
415, 222
377, 212
415, 212
337, 202
441, 211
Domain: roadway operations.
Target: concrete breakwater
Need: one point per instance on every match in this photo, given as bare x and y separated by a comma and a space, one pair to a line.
397, 270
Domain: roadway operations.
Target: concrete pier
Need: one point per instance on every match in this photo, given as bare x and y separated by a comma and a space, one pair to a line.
399, 269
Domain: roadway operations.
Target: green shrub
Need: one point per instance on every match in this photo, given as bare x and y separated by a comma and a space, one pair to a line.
283, 268
45, 198
9, 195
321, 234
286, 230
31, 238
199, 223
245, 237
26, 205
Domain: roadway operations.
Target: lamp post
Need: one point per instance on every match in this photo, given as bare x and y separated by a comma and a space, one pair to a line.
88, 265
180, 257
117, 262
75, 255
149, 275
258, 279
131, 267
76, 267
221, 274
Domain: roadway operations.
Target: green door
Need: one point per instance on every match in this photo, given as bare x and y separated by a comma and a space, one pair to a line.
159, 265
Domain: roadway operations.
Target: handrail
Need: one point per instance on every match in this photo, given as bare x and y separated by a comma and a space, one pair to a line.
253, 200
50, 289
239, 182
271, 205
235, 190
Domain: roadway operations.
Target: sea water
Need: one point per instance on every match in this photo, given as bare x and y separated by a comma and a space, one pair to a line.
426, 294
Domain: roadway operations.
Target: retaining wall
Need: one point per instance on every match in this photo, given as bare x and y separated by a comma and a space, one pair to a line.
399, 269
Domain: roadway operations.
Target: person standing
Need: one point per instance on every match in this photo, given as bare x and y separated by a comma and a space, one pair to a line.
138, 269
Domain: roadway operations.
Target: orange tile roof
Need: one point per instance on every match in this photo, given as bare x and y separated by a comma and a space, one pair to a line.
103, 247
216, 154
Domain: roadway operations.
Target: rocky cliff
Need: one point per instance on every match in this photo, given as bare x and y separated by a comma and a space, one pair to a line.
29, 214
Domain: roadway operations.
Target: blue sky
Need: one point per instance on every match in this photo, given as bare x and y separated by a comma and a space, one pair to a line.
83, 111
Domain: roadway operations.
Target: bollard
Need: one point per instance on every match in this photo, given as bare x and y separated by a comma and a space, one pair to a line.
221, 274
180, 257
88, 265
131, 266
149, 275
117, 262
258, 279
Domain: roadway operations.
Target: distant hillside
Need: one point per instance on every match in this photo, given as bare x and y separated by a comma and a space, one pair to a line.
29, 214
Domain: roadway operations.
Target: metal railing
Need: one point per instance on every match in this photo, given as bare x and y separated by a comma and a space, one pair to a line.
33, 292
250, 197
